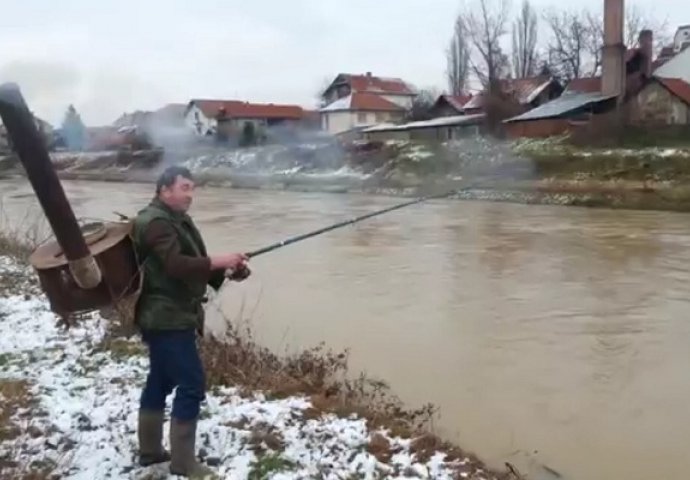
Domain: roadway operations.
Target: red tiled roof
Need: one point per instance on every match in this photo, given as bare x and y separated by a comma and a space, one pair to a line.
373, 84
677, 87
238, 109
585, 85
523, 88
369, 101
362, 102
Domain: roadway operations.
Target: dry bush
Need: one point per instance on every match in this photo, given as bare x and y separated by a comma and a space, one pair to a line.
498, 107
602, 130
236, 359
18, 239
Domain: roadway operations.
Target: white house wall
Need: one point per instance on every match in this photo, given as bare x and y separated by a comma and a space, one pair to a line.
195, 118
337, 122
677, 67
682, 37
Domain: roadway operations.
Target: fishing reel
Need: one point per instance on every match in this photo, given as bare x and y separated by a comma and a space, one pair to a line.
238, 274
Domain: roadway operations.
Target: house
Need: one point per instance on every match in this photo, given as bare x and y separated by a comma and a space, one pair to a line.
356, 101
662, 102
681, 41
137, 118
449, 105
665, 99
652, 96
170, 115
163, 127
528, 92
104, 138
676, 67
394, 90
359, 110
202, 116
625, 73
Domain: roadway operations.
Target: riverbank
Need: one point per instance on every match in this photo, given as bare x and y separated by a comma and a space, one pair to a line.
68, 405
550, 172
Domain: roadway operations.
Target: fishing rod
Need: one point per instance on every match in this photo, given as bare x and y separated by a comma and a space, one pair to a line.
351, 221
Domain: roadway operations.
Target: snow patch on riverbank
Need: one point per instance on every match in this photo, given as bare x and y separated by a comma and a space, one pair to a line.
85, 417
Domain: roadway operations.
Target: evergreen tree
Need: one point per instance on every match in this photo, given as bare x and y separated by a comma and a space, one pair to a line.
73, 130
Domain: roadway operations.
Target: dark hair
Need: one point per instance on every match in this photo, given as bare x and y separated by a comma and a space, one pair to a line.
169, 175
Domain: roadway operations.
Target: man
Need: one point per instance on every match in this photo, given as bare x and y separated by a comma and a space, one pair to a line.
169, 314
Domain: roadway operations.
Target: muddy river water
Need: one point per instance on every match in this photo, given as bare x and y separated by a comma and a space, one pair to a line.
551, 334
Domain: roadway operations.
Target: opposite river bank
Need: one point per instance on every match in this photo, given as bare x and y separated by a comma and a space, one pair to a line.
531, 172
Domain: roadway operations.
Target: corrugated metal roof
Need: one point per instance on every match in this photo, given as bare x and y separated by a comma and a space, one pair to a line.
454, 121
560, 106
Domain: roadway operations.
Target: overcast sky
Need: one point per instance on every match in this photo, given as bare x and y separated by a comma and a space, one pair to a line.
110, 57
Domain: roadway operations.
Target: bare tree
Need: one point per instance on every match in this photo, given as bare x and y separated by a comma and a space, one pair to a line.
458, 59
421, 105
486, 26
570, 44
525, 42
636, 20
323, 85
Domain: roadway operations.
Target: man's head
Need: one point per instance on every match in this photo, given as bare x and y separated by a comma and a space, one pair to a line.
175, 188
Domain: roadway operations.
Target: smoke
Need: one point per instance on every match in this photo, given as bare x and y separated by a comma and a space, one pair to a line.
99, 95
45, 86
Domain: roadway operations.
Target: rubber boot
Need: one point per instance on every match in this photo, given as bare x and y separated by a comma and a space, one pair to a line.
183, 452
150, 432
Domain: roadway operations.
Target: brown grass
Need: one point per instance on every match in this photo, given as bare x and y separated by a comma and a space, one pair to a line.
13, 245
17, 408
235, 359
20, 237
15, 395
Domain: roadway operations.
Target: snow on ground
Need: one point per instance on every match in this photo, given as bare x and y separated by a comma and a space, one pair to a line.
88, 398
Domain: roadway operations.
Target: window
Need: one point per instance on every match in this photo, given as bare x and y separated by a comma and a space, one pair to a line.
380, 117
361, 117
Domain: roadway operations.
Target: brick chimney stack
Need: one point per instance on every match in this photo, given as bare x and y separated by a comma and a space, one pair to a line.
647, 49
613, 54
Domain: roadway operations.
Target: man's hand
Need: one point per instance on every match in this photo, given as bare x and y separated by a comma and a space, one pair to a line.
230, 261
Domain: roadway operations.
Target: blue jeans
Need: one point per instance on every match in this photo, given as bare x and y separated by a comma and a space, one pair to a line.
174, 362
